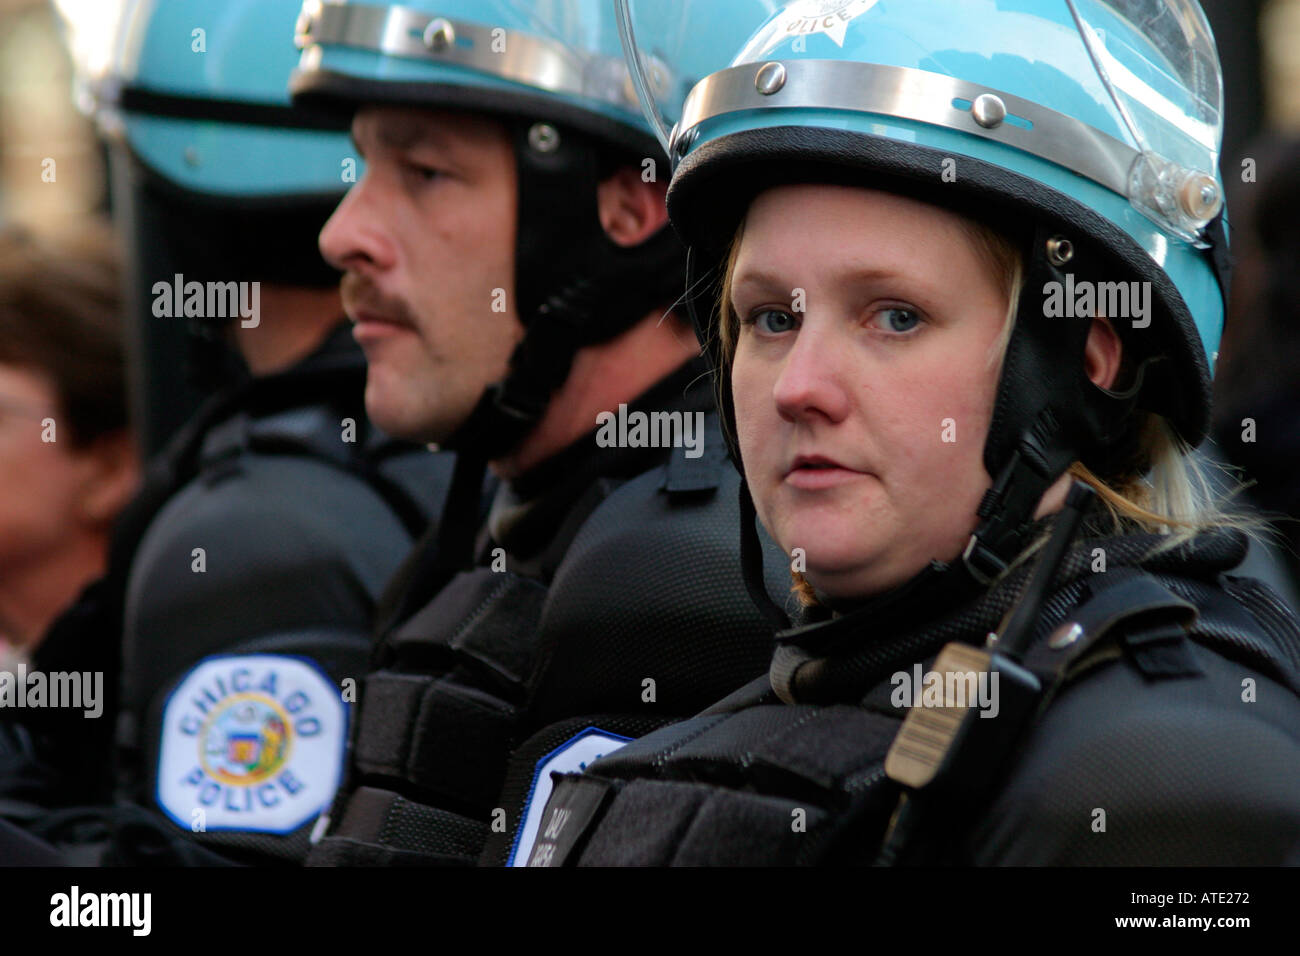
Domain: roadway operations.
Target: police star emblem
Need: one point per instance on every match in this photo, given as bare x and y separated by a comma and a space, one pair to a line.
831, 17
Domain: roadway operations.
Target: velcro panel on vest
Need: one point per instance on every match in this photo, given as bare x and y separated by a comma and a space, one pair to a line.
381, 828
1163, 651
695, 824
765, 785
481, 618
807, 753
391, 707
448, 727
448, 739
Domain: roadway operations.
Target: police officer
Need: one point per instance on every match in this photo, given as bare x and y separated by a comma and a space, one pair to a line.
1027, 649
511, 274
247, 571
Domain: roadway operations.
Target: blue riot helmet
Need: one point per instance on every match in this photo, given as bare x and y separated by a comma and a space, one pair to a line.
553, 72
216, 178
1093, 127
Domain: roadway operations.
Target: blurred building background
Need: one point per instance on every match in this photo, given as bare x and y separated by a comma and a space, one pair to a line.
39, 121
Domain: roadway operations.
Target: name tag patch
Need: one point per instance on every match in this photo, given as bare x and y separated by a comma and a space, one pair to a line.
251, 743
572, 756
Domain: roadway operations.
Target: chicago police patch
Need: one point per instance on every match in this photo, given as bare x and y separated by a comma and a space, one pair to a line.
255, 742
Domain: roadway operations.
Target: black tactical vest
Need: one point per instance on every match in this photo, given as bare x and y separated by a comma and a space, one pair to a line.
628, 613
1169, 734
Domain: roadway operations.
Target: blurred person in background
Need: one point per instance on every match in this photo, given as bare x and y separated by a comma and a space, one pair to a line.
67, 456
244, 575
68, 466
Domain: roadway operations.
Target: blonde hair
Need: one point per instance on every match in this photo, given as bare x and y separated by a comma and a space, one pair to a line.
1165, 490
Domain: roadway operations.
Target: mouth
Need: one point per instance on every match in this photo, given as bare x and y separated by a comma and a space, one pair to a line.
817, 471
374, 325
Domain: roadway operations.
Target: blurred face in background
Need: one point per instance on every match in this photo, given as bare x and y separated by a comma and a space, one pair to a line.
67, 457
53, 495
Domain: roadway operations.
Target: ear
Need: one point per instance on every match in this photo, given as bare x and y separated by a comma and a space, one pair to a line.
111, 475
1102, 353
630, 209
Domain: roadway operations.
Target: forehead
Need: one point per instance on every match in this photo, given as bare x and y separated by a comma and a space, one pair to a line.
25, 383
402, 128
834, 221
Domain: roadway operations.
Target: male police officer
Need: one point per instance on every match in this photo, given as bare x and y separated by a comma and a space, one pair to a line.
247, 571
508, 270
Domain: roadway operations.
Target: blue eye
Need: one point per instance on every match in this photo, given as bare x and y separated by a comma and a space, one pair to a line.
774, 321
898, 320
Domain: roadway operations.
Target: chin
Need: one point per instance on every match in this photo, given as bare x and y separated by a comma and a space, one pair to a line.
426, 416
854, 581
830, 538
394, 417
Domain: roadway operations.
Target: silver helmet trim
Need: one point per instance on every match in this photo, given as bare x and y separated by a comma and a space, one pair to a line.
398, 31
1178, 199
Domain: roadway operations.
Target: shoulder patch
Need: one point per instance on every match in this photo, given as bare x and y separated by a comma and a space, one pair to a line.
572, 756
252, 742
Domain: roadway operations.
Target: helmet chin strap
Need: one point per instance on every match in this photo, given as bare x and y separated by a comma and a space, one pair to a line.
574, 287
1047, 414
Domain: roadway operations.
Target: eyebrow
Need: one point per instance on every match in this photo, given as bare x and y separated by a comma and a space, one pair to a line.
768, 280
398, 136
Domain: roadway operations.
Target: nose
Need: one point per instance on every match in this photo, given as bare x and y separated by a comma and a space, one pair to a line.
354, 239
811, 382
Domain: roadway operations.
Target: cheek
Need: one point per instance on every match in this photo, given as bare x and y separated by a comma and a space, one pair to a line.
38, 491
471, 267
479, 229
937, 434
751, 394
973, 386
954, 415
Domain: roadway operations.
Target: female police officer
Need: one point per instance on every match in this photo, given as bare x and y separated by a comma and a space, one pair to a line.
961, 268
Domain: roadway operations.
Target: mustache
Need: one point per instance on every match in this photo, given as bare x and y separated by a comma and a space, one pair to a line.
360, 294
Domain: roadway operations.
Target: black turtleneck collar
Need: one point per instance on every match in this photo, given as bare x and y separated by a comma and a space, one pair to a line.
837, 655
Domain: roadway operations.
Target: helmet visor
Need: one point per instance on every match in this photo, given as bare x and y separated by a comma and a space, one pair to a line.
671, 45
1158, 62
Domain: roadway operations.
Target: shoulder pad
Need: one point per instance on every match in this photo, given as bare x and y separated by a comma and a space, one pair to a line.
649, 611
